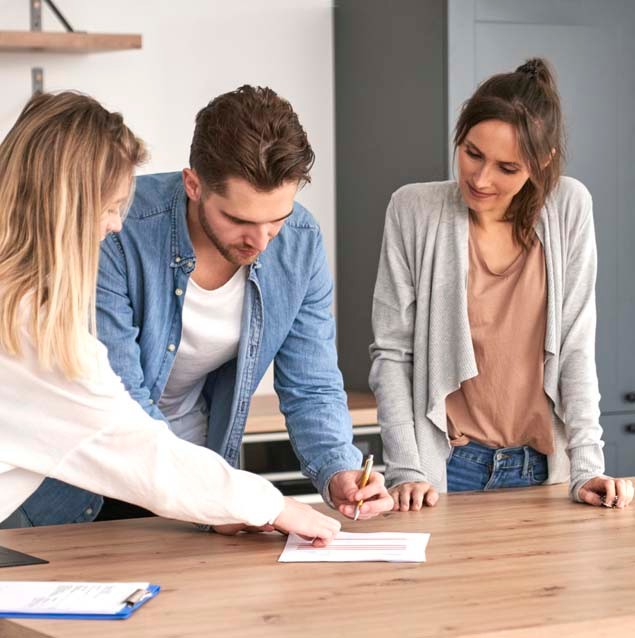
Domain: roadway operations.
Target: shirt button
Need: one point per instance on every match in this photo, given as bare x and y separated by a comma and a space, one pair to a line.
189, 264
89, 511
151, 401
178, 292
171, 347
177, 259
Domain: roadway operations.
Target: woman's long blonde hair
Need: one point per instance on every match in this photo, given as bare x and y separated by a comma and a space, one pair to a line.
59, 164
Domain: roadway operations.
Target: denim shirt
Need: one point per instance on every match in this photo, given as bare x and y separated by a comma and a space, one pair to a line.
143, 277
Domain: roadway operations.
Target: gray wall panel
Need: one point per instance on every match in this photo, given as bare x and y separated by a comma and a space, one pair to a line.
591, 46
391, 113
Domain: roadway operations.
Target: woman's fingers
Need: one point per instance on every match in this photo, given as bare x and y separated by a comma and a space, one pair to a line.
412, 496
607, 491
416, 497
624, 492
405, 492
590, 497
230, 529
432, 496
394, 493
304, 520
396, 497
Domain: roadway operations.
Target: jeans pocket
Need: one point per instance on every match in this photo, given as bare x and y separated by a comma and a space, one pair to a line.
538, 474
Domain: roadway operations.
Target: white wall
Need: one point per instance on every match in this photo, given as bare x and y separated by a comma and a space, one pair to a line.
192, 51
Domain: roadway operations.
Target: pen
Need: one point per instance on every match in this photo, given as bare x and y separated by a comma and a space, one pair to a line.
368, 468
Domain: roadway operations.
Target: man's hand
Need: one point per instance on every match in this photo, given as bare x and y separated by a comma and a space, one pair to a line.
608, 491
345, 493
412, 496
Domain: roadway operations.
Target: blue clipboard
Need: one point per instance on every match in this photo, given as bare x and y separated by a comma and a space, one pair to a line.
125, 612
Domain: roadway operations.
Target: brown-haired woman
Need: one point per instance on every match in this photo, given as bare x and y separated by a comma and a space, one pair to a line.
484, 312
66, 169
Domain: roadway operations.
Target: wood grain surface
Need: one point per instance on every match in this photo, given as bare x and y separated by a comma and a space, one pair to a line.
62, 42
265, 415
516, 563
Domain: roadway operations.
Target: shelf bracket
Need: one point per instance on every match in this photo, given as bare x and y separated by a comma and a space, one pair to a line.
58, 14
37, 80
37, 73
36, 15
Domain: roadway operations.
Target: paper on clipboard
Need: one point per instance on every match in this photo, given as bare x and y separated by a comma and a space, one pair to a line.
49, 598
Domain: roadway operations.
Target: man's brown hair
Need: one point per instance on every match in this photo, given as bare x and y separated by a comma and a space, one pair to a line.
253, 134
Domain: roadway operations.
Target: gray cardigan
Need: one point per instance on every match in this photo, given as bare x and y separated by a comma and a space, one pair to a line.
423, 348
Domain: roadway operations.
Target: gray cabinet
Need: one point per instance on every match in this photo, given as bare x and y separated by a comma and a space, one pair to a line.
592, 49
619, 443
390, 130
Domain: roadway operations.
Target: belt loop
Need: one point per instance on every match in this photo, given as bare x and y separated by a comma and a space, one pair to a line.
526, 462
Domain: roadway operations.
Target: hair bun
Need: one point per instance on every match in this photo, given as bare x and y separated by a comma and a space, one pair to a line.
531, 67
538, 70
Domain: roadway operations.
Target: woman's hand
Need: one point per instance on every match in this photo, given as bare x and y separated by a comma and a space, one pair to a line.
231, 529
412, 496
302, 519
607, 491
296, 517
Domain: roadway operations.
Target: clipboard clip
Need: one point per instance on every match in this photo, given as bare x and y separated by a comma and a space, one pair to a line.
136, 597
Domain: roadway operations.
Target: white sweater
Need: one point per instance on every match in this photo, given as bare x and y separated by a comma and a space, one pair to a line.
90, 433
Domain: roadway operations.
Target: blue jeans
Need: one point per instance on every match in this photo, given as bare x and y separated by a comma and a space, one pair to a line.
477, 467
17, 519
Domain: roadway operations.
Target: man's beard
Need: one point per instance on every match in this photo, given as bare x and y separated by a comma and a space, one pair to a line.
230, 253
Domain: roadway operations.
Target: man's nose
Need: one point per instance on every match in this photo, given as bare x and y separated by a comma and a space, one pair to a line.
260, 236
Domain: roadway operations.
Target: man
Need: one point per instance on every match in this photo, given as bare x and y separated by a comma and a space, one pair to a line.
216, 273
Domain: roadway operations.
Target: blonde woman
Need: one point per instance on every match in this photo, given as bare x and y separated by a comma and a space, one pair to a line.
66, 169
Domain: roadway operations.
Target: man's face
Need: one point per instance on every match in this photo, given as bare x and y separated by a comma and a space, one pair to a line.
242, 221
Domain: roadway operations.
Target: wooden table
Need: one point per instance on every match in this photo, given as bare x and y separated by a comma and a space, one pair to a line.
513, 563
265, 416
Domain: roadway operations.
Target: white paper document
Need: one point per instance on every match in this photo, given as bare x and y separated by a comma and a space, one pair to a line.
39, 597
393, 547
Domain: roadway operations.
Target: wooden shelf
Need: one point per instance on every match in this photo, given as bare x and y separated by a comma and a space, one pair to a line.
62, 42
265, 416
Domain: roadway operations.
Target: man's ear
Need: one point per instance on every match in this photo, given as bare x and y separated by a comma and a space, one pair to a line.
192, 184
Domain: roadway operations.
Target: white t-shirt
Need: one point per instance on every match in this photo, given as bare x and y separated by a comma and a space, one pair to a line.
92, 434
211, 332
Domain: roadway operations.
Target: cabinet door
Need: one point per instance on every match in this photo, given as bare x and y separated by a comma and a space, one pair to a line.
590, 44
619, 448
